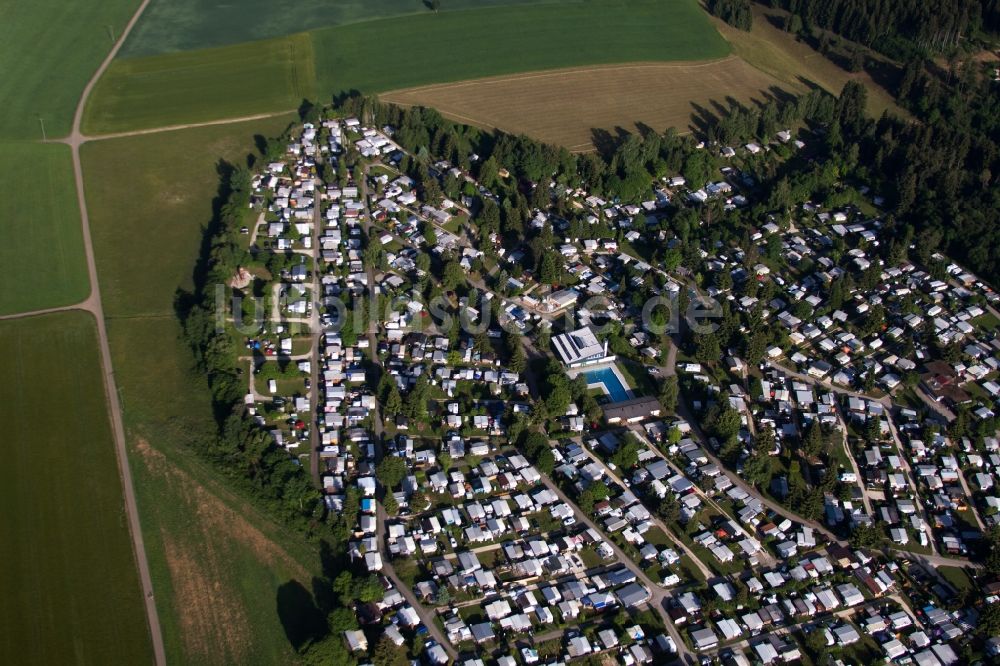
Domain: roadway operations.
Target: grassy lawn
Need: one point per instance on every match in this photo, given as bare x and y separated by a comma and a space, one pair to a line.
147, 220
637, 377
958, 579
42, 263
253, 78
221, 570
70, 591
48, 51
275, 74
986, 322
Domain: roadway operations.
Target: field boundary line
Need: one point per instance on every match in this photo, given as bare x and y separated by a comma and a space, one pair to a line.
81, 306
547, 73
87, 138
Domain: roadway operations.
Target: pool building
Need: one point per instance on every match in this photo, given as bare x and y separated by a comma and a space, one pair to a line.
580, 347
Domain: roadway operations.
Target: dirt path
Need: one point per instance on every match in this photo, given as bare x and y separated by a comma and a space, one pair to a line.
174, 128
94, 306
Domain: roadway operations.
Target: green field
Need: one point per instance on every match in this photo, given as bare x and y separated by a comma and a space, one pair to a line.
217, 564
258, 77
455, 46
182, 25
69, 592
149, 198
42, 263
48, 51
382, 55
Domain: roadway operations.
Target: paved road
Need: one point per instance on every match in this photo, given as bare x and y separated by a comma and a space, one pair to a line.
317, 335
658, 595
765, 558
656, 519
684, 412
886, 402
972, 501
426, 616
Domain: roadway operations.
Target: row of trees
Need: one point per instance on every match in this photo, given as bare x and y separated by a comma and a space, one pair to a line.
243, 452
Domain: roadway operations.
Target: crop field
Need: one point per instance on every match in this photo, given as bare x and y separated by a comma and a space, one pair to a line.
565, 107
218, 566
182, 25
779, 54
382, 55
42, 263
455, 46
69, 591
259, 77
48, 51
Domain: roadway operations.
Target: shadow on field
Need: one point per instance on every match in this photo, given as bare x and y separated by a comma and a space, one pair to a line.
300, 617
305, 614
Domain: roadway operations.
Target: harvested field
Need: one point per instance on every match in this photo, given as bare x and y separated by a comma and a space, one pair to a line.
565, 106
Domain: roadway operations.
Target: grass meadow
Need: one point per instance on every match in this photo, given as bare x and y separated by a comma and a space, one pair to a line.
795, 63
69, 591
42, 263
377, 56
460, 45
48, 51
149, 198
217, 564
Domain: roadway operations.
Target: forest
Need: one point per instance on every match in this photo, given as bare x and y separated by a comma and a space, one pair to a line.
898, 28
737, 13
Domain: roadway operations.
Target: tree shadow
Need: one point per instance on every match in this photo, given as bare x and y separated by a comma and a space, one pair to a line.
603, 141
702, 119
644, 129
884, 73
300, 617
776, 20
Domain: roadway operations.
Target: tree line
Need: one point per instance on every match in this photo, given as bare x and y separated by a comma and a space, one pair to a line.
898, 28
737, 13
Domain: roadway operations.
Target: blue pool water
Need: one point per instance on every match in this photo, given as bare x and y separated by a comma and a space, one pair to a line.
606, 376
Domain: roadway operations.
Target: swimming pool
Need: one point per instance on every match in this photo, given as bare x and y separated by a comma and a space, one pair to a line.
616, 391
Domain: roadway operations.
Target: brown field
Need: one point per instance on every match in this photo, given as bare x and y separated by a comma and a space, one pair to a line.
564, 106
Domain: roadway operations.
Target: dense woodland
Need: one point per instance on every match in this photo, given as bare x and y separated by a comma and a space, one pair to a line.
737, 13
898, 28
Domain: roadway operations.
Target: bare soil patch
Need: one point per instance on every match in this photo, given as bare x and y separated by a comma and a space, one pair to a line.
214, 625
217, 519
